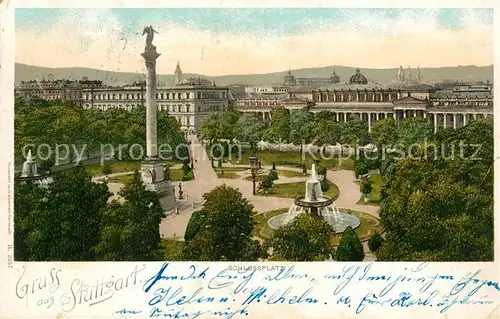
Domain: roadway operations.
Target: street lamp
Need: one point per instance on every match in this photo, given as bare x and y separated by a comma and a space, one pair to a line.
254, 166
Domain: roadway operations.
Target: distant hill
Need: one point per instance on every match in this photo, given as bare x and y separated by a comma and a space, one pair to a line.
26, 72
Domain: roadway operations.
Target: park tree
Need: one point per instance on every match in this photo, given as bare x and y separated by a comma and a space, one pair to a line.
130, 231
249, 129
350, 247
307, 238
383, 133
301, 127
209, 127
326, 131
355, 133
67, 225
223, 228
441, 209
413, 130
279, 130
29, 205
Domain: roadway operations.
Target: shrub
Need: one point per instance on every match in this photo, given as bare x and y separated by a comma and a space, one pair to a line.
274, 166
273, 175
361, 168
321, 170
186, 168
350, 247
107, 169
266, 183
366, 186
188, 176
325, 186
375, 242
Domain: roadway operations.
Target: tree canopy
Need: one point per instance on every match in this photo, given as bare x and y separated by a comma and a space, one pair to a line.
222, 229
439, 207
307, 238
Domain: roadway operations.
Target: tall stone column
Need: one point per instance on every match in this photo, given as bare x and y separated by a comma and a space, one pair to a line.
369, 122
150, 55
445, 124
154, 176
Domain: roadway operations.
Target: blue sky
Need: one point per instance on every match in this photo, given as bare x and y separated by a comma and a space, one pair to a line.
217, 41
280, 21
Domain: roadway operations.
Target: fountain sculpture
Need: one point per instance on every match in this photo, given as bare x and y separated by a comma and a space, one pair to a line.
316, 204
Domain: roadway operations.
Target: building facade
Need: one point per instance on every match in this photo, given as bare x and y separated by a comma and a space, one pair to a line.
64, 90
444, 109
187, 102
291, 80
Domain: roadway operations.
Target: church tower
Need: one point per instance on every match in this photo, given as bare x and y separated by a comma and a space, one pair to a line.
178, 74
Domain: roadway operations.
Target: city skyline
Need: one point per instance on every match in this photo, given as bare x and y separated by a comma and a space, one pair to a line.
216, 41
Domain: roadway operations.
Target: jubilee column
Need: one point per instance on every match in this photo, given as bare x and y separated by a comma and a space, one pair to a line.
154, 176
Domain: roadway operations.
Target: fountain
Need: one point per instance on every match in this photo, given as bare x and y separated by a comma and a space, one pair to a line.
316, 204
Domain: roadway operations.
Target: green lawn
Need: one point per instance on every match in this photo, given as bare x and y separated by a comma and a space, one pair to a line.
260, 227
176, 174
374, 196
231, 169
116, 167
294, 190
228, 175
258, 178
286, 173
173, 249
367, 227
121, 179
293, 159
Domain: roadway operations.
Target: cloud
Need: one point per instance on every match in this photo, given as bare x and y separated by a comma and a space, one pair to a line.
98, 39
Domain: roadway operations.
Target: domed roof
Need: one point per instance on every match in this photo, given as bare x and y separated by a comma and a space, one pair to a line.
358, 78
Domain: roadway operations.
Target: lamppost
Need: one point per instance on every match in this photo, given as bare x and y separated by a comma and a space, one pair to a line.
254, 166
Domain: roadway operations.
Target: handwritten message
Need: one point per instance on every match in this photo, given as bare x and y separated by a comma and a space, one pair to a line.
184, 290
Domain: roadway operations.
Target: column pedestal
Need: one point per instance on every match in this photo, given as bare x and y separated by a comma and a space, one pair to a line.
153, 177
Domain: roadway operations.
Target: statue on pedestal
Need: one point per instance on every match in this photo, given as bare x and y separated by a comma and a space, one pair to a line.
150, 35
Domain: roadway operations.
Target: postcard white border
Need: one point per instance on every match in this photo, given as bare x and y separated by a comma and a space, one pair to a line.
85, 269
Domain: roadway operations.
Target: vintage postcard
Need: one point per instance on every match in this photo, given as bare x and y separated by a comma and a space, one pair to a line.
228, 160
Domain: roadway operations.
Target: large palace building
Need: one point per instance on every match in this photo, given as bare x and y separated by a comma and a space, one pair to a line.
189, 100
373, 102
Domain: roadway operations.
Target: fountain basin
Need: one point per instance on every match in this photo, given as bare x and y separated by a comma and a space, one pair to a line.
335, 218
320, 202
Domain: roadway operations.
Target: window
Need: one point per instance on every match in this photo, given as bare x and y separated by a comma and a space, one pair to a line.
179, 96
178, 108
187, 108
168, 96
161, 96
120, 96
188, 121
